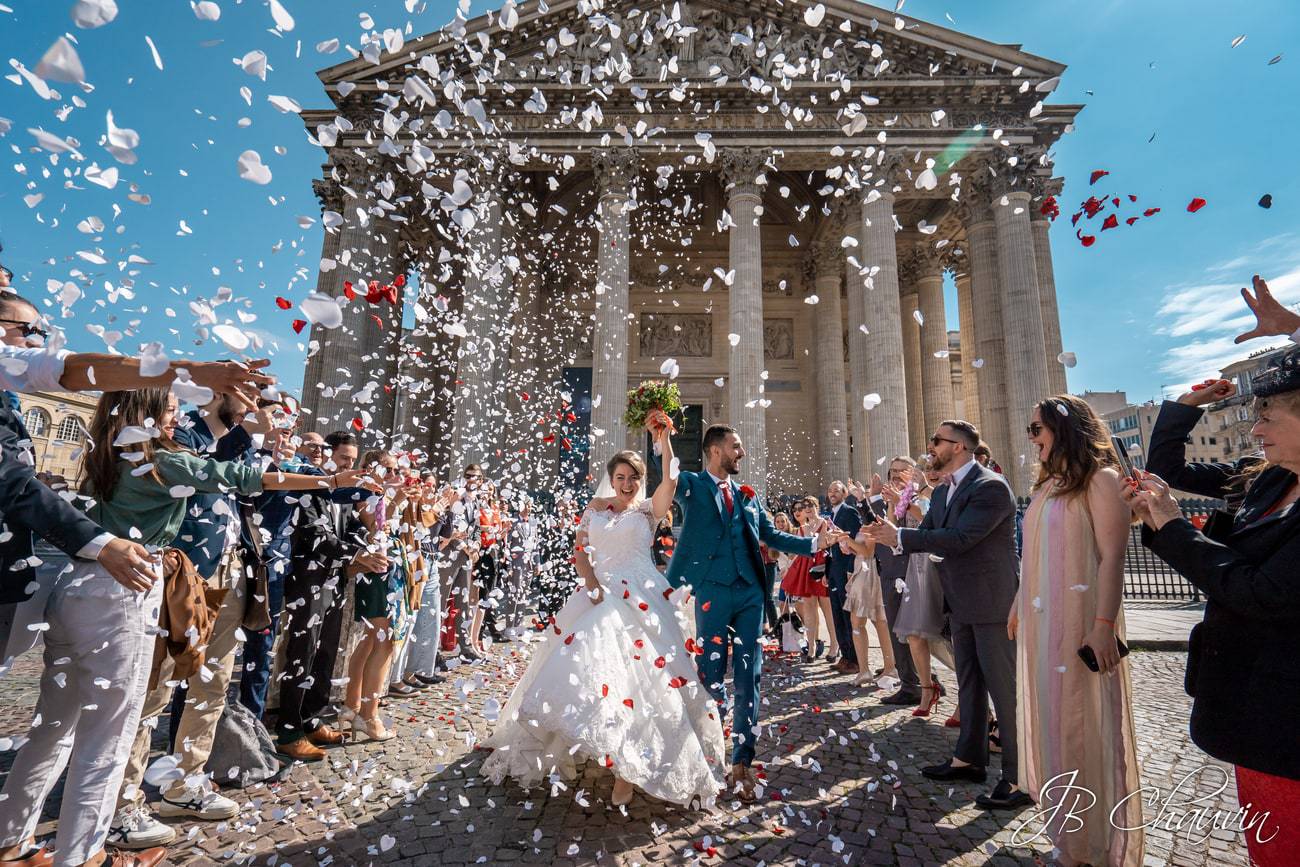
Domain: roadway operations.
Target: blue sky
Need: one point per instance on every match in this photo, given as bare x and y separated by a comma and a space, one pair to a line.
1146, 308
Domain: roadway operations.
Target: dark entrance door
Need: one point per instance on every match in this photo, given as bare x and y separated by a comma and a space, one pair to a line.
686, 445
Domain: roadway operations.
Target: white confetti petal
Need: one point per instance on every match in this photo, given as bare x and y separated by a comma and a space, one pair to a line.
870, 401
252, 169
1069, 359
89, 14
320, 309
205, 10
153, 49
61, 63
283, 19
235, 338
813, 15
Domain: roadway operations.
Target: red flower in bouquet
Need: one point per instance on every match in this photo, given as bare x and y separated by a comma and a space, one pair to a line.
747, 492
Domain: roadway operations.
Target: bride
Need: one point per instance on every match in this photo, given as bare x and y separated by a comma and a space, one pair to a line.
615, 680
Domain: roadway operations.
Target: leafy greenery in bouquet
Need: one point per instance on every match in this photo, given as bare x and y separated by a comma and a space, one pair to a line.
649, 396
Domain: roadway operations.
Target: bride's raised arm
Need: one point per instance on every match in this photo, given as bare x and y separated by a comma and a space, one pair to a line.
662, 499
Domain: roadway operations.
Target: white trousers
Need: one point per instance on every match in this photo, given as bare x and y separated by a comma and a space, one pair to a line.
98, 648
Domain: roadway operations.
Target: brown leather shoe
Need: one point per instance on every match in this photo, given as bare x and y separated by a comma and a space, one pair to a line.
301, 750
740, 784
36, 858
845, 667
325, 737
143, 858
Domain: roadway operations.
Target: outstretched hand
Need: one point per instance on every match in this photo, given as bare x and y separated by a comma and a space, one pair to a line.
1272, 319
241, 381
882, 532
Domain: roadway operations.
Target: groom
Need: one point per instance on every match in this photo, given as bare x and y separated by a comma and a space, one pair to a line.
718, 555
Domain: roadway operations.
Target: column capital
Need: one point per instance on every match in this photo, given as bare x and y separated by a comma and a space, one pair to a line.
330, 194
825, 258
616, 170
742, 169
976, 203
916, 263
1016, 172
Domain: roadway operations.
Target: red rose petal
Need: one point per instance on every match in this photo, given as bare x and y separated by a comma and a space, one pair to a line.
1096, 176
358, 424
299, 325
283, 303
1111, 222
627, 702
1195, 205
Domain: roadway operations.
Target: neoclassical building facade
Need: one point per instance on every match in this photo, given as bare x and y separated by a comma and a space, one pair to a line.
586, 195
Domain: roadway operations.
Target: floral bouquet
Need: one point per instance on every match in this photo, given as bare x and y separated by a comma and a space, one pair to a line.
651, 404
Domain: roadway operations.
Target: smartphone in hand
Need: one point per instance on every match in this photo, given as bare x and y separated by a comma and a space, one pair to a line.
1090, 659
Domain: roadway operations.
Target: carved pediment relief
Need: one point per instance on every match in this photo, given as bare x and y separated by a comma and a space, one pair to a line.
712, 41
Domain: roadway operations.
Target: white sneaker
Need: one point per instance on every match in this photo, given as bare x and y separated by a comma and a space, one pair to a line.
198, 803
135, 828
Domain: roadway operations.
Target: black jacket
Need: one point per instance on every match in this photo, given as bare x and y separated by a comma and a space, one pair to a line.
321, 546
1243, 663
28, 506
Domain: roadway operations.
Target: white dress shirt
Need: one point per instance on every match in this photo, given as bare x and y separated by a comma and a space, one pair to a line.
31, 369
957, 476
36, 369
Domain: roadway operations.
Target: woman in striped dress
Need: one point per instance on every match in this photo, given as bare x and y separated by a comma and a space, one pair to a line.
1076, 724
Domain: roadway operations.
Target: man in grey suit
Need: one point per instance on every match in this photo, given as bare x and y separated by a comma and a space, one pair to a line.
971, 525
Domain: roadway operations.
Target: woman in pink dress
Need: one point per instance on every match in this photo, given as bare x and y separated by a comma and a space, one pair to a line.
1076, 724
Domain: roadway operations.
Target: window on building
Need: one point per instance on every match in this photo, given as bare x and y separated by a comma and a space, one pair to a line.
71, 430
1214, 441
37, 422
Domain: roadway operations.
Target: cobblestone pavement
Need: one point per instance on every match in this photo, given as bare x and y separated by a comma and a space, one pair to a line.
841, 770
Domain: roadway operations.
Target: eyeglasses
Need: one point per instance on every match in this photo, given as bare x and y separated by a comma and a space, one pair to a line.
313, 447
936, 439
1034, 429
27, 329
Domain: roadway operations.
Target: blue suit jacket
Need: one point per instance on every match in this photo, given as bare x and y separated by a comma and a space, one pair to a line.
700, 556
202, 536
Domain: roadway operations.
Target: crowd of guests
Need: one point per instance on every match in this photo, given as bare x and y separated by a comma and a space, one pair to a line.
339, 578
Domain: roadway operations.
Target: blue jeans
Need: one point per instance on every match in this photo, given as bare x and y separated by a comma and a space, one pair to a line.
259, 648
735, 618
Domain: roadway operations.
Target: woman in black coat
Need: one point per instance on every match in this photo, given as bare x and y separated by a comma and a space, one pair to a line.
1243, 665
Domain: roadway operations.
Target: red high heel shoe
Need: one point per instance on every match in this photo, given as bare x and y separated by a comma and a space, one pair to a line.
927, 706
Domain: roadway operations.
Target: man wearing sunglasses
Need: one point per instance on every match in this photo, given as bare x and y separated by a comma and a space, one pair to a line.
970, 532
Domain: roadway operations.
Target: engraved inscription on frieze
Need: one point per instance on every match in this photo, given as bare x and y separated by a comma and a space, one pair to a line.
679, 335
778, 339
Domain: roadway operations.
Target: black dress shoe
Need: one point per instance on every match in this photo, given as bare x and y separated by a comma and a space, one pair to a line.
902, 697
949, 771
1003, 798
430, 681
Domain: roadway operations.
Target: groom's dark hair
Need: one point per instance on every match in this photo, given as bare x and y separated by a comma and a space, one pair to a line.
715, 435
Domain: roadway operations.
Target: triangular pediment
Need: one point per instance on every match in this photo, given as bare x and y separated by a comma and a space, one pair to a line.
569, 43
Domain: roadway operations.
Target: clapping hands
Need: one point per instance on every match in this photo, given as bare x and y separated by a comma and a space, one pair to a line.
882, 532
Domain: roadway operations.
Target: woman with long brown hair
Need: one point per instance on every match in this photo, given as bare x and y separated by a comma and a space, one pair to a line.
1076, 723
100, 634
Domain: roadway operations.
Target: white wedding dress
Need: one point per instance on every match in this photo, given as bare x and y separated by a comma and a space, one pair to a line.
614, 681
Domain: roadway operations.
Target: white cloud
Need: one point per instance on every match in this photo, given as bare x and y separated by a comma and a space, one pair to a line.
1206, 317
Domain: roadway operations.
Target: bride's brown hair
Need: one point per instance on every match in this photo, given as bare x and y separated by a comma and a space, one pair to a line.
629, 458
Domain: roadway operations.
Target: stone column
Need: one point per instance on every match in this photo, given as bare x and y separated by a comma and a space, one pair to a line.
887, 423
616, 171
1041, 227
741, 173
936, 369
476, 437
855, 292
826, 270
334, 382
969, 350
910, 303
989, 353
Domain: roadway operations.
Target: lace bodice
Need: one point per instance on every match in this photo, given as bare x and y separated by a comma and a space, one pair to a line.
617, 539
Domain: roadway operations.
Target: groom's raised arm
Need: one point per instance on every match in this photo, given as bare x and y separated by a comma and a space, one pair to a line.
786, 543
